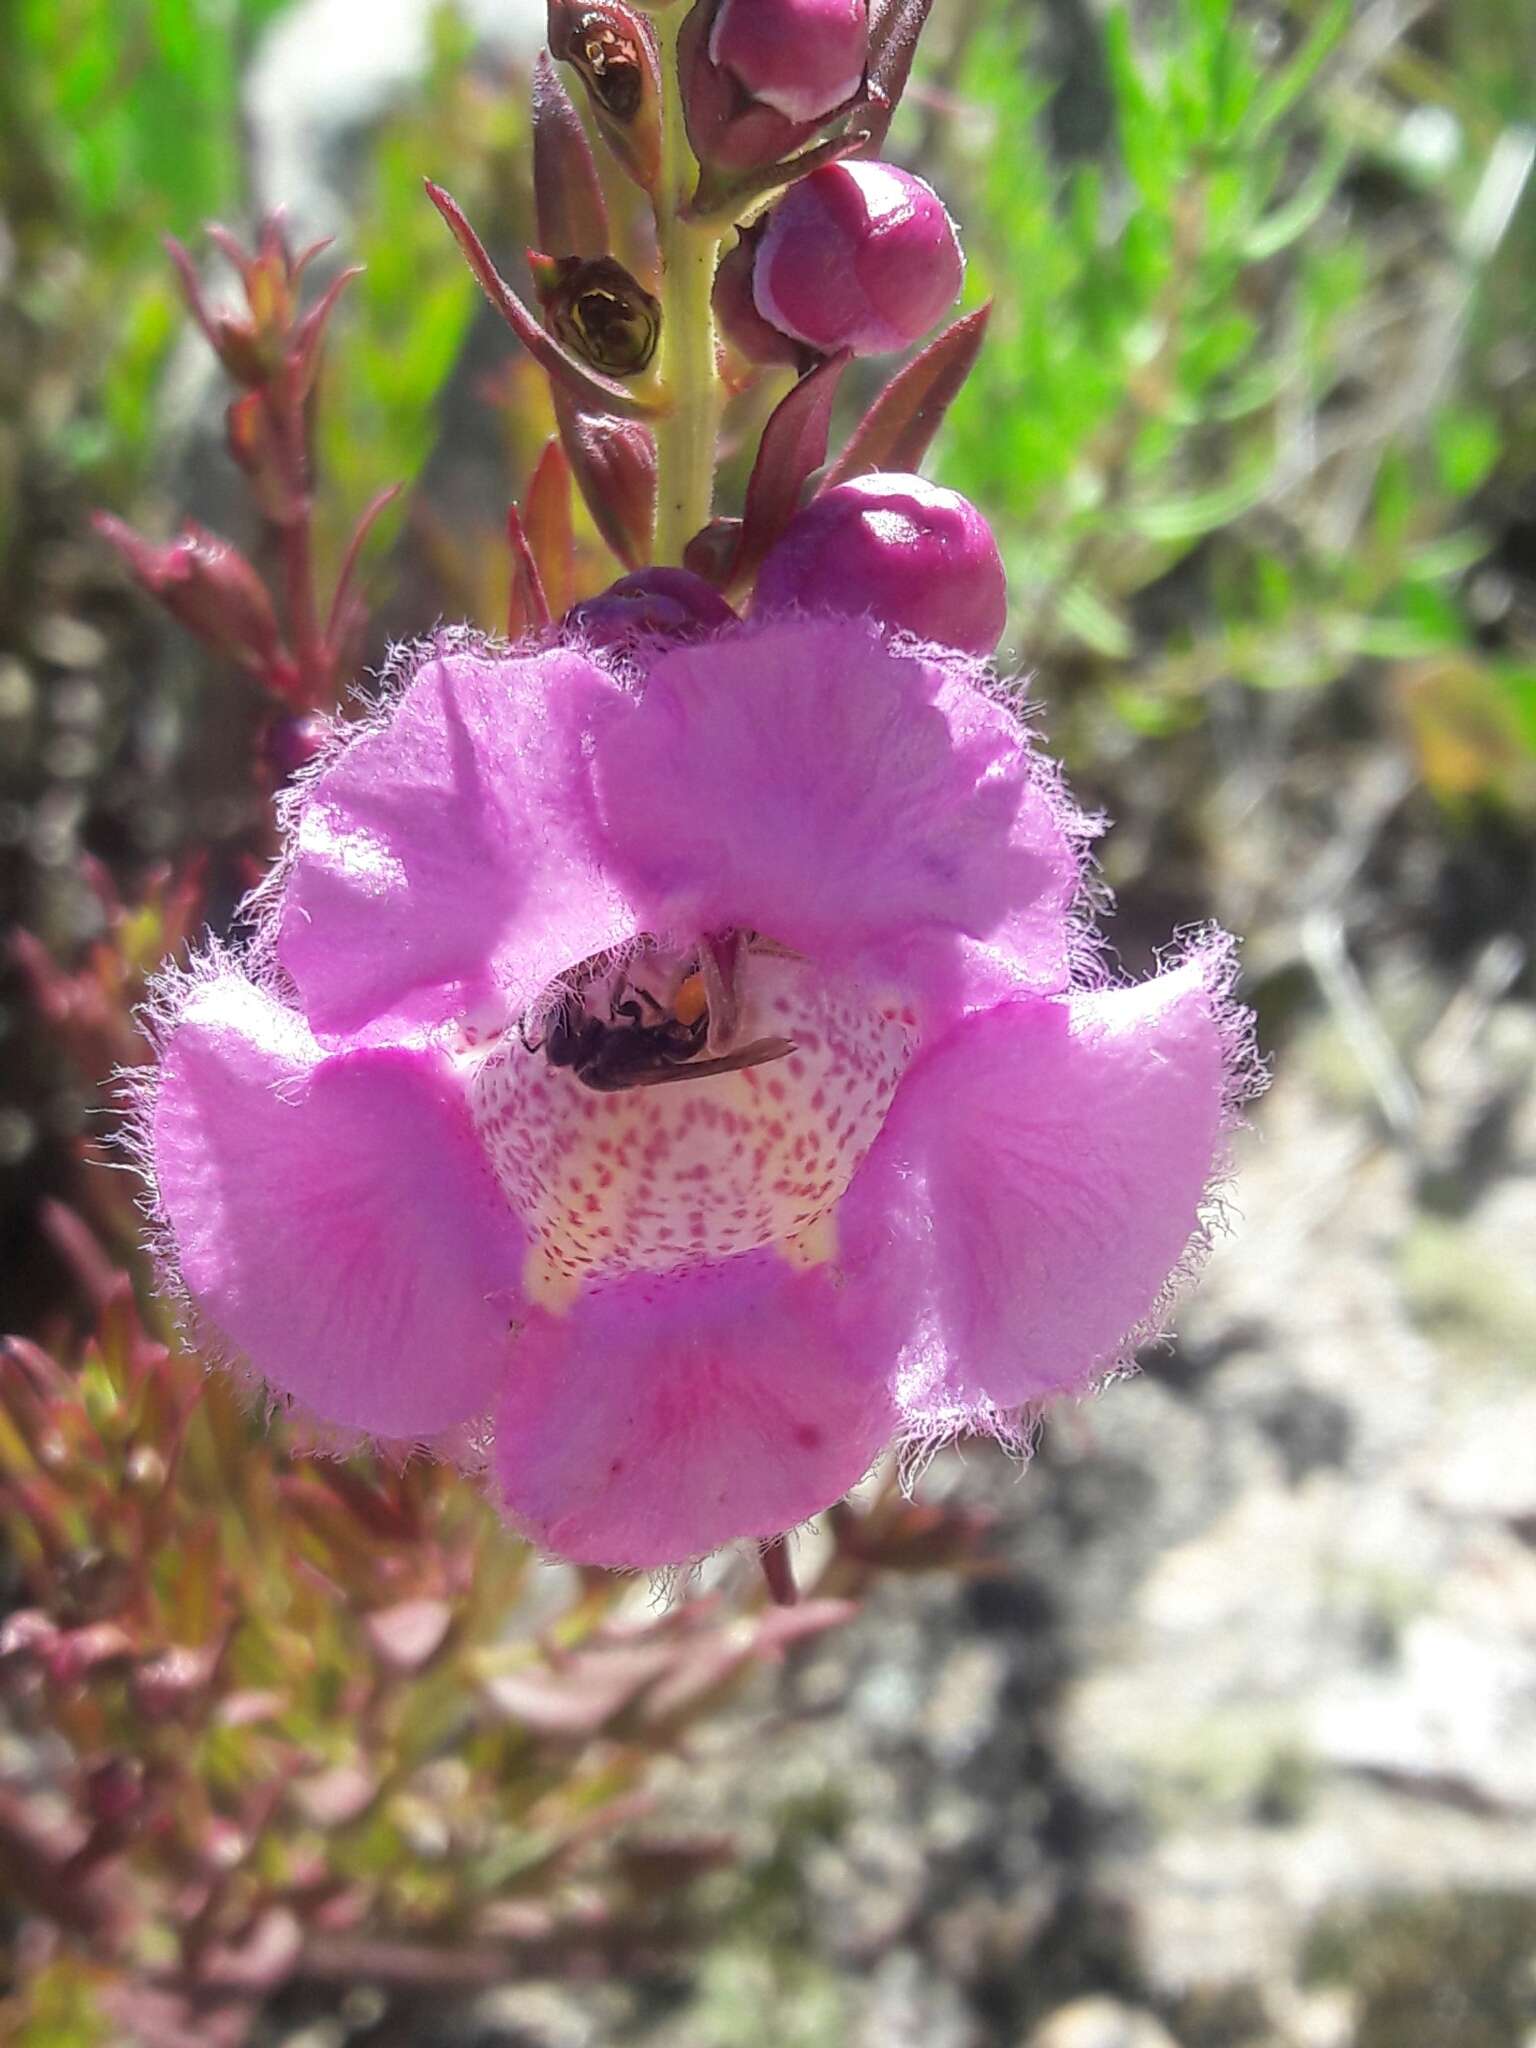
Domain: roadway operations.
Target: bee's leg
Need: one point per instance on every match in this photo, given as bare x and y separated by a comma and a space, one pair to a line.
721, 961
770, 949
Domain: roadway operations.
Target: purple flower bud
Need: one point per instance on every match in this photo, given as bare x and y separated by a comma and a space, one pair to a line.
803, 58
291, 743
653, 604
858, 256
762, 77
920, 558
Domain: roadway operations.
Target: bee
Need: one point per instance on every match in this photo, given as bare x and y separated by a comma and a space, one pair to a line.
615, 1032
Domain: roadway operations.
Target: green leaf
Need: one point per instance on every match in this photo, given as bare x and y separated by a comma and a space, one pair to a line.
1094, 621
1202, 512
1467, 444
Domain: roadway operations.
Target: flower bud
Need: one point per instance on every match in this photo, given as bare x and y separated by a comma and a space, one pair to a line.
610, 45
857, 256
653, 604
766, 75
290, 743
599, 311
209, 587
920, 558
614, 464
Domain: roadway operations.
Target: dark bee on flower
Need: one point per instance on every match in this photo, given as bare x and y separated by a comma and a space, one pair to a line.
617, 1028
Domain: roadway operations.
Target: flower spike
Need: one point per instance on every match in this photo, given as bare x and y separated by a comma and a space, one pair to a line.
665, 1058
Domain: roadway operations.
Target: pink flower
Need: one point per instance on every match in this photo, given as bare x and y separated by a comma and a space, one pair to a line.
921, 558
670, 1067
859, 256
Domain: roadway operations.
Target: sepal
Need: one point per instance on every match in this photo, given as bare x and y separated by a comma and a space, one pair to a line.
898, 429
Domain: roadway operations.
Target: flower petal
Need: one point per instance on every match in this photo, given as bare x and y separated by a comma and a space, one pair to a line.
444, 858
333, 1218
835, 790
668, 1414
1043, 1166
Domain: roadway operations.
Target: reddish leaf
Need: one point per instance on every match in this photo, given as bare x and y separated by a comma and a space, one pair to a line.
896, 431
263, 1957
583, 1693
311, 333
409, 1635
780, 1627
350, 560
558, 364
794, 444
337, 1797
527, 606
567, 192
547, 522
894, 28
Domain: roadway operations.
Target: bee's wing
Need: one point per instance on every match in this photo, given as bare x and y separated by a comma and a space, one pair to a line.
757, 1054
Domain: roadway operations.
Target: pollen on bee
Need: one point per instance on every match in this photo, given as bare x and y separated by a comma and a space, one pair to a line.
691, 1001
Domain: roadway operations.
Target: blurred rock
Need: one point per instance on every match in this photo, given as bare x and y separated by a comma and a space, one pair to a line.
327, 68
1100, 2023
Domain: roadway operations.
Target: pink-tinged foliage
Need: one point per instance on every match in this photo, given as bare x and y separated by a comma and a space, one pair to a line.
944, 1182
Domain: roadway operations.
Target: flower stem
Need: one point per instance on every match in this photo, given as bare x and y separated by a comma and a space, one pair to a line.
779, 1572
685, 433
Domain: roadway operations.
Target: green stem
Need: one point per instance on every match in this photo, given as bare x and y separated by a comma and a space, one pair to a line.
685, 433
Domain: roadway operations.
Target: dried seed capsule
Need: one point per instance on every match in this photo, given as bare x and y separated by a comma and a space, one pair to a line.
611, 47
599, 311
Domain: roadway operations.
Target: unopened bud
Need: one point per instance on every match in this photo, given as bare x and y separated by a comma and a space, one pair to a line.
858, 256
919, 558
291, 743
653, 604
252, 344
611, 46
614, 464
599, 311
804, 58
762, 77
209, 587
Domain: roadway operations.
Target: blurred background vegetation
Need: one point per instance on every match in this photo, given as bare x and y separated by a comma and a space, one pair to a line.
1257, 423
